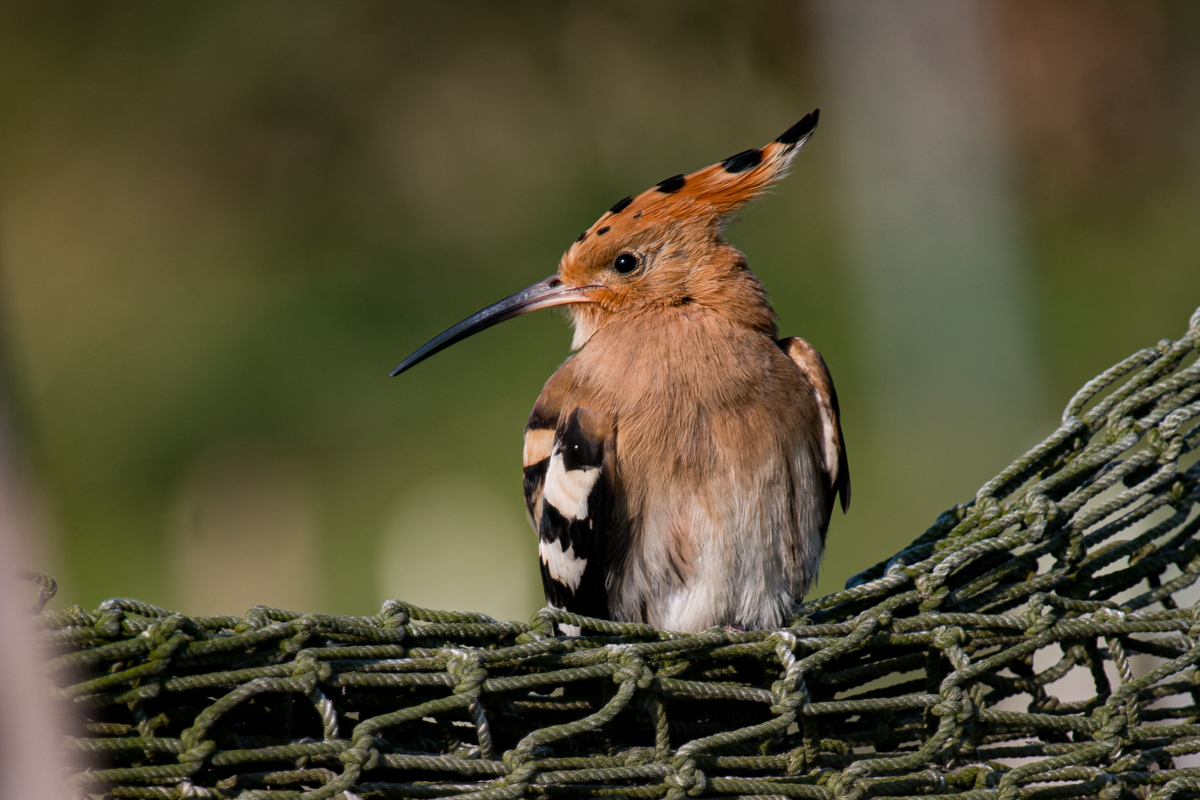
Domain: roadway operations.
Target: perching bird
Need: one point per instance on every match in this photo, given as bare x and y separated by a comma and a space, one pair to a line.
681, 467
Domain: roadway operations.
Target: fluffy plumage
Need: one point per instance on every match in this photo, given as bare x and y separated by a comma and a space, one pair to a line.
681, 467
723, 447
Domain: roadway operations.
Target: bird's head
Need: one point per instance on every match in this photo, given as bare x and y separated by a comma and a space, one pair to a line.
660, 249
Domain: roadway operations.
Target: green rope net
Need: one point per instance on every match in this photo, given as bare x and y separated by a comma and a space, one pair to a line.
946, 670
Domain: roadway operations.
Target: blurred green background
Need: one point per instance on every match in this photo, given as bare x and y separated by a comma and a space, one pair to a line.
221, 224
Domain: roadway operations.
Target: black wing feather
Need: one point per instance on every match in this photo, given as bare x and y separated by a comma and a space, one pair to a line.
569, 495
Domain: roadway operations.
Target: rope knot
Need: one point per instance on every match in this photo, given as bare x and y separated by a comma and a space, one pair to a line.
796, 761
197, 753
394, 614
1109, 724
1041, 621
521, 770
788, 704
163, 637
364, 755
951, 704
541, 626
844, 784
631, 668
988, 508
302, 629
308, 672
1108, 615
946, 637
465, 667
688, 779
790, 691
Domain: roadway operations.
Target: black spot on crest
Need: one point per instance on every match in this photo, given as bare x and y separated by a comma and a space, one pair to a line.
747, 159
672, 184
602, 231
801, 129
581, 237
620, 206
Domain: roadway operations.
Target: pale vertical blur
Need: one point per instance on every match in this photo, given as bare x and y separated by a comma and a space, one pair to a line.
935, 249
31, 726
221, 224
31, 759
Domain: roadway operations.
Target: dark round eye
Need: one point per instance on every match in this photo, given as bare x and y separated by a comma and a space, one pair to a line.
625, 263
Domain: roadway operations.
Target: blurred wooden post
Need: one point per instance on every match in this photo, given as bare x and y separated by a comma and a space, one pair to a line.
915, 111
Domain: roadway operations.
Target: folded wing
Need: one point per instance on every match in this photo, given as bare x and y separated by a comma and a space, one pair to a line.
569, 497
834, 466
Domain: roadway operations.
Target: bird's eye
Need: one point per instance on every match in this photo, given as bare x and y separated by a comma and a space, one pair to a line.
625, 263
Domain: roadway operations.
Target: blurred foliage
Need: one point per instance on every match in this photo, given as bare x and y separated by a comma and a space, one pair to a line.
221, 224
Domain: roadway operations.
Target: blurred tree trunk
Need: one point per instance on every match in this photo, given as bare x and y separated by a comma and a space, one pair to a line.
915, 110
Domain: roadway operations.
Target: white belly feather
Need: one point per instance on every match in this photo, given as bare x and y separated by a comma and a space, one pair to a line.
755, 552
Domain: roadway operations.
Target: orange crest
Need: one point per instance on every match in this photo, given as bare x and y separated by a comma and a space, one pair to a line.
705, 198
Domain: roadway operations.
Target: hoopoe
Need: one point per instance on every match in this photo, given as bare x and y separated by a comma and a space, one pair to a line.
682, 465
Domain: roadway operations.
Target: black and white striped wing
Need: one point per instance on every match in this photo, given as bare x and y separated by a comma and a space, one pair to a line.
835, 467
569, 496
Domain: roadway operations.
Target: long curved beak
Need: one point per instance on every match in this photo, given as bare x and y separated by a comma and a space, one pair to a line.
543, 294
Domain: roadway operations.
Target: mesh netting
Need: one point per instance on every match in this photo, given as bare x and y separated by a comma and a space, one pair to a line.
1037, 642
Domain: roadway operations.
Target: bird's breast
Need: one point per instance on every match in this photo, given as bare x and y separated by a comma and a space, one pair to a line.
712, 434
692, 393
